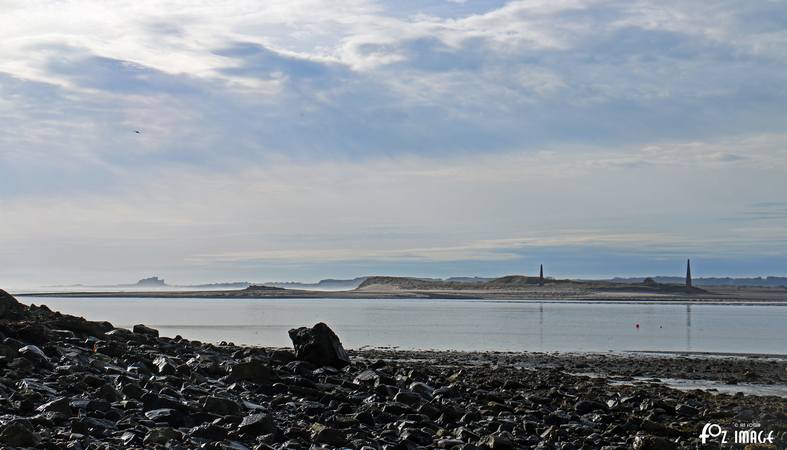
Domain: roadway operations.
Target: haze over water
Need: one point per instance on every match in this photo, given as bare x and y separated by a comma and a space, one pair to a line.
467, 325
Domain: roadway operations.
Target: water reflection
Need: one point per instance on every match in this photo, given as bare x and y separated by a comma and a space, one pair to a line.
688, 327
541, 326
510, 325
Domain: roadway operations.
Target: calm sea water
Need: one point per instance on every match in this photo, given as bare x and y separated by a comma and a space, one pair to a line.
454, 324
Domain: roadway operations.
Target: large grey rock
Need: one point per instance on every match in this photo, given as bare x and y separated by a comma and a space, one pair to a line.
319, 345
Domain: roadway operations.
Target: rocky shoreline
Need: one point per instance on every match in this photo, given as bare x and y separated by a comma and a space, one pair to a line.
68, 383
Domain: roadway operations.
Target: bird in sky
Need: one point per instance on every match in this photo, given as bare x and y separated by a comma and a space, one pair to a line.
137, 131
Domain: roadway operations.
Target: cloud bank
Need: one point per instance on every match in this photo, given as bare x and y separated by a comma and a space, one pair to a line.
309, 139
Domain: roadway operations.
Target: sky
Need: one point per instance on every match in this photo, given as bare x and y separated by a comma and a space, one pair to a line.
300, 140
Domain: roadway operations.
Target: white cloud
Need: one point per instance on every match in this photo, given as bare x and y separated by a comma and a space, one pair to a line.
408, 210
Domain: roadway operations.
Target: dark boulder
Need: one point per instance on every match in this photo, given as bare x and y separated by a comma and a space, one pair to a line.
326, 435
221, 406
147, 331
81, 326
319, 345
684, 410
252, 370
18, 433
33, 333
9, 307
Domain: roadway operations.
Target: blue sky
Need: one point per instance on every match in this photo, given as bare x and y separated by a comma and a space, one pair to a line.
303, 140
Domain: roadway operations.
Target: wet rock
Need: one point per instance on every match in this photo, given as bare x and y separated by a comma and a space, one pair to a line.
9, 306
257, 424
9, 351
653, 443
252, 370
422, 389
209, 431
110, 348
367, 377
319, 345
160, 436
120, 334
81, 326
686, 410
33, 352
221, 406
497, 442
416, 435
147, 331
18, 433
60, 405
165, 415
586, 406
34, 333
450, 443
326, 435
165, 366
409, 398
282, 356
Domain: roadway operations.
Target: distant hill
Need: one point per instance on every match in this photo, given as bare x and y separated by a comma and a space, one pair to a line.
226, 285
710, 281
405, 283
518, 282
469, 279
327, 284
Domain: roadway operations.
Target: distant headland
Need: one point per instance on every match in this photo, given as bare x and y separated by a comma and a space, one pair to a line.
506, 287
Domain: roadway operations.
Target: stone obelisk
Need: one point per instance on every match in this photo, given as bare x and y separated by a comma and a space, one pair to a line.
541, 275
688, 273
